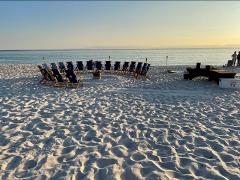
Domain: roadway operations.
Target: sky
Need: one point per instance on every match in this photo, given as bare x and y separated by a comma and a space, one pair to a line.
119, 24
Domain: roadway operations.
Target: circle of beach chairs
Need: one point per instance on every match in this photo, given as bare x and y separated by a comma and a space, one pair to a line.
66, 74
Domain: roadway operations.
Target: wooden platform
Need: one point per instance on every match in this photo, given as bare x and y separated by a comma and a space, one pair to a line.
210, 72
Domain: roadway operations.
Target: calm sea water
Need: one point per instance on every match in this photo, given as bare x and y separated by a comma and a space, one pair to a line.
209, 56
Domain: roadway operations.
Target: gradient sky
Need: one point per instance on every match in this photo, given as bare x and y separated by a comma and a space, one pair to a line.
162, 24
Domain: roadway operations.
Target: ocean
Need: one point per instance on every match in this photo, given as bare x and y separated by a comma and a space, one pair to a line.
157, 57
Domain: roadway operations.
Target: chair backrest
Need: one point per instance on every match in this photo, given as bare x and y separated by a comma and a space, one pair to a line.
90, 65
132, 66
71, 76
148, 66
43, 72
108, 65
98, 65
117, 65
57, 75
145, 69
80, 65
48, 72
125, 66
70, 65
53, 66
139, 67
61, 66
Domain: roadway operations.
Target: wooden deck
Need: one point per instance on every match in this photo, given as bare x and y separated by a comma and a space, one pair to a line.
209, 72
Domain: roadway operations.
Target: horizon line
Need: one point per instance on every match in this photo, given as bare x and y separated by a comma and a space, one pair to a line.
73, 49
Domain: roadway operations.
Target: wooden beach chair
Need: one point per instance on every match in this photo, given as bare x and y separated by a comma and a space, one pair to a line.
98, 65
125, 67
80, 66
89, 65
72, 79
61, 67
145, 69
70, 65
138, 69
47, 78
53, 66
60, 82
132, 67
107, 66
117, 66
45, 66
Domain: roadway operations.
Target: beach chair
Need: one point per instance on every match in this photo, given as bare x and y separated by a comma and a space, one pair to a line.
60, 82
47, 78
125, 67
138, 69
132, 66
117, 66
70, 65
80, 65
53, 66
108, 66
45, 66
72, 79
145, 69
89, 66
61, 67
98, 65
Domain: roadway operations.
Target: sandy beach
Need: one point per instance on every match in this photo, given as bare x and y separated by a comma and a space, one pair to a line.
118, 127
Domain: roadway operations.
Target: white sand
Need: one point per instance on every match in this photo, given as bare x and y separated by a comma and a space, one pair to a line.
118, 128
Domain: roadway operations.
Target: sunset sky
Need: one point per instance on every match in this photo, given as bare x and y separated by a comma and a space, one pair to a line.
135, 24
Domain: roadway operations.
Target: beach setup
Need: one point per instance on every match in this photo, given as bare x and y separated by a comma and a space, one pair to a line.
71, 76
210, 72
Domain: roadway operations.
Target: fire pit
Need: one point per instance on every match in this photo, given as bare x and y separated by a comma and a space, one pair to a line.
97, 75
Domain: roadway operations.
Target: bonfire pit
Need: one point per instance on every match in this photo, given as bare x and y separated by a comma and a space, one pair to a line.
96, 75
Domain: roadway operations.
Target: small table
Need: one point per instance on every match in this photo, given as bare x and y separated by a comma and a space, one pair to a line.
217, 74
96, 75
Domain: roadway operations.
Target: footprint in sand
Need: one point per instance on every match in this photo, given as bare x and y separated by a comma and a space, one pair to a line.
3, 140
153, 157
206, 153
101, 174
120, 151
67, 150
59, 175
30, 164
44, 126
14, 163
164, 151
145, 171
215, 145
67, 158
104, 162
184, 162
138, 156
226, 157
